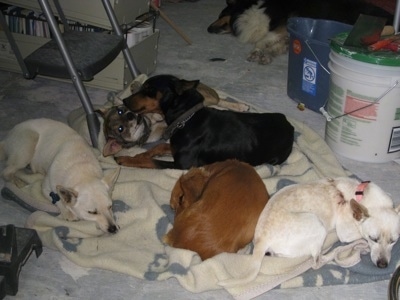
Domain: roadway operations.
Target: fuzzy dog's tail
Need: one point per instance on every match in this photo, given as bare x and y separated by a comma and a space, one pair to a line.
252, 268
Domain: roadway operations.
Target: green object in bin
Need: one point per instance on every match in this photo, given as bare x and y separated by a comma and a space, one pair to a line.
382, 57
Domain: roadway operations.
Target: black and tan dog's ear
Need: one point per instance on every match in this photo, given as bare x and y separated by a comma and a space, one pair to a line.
360, 212
184, 85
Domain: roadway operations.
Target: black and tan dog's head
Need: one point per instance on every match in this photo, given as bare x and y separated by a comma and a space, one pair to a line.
157, 89
123, 129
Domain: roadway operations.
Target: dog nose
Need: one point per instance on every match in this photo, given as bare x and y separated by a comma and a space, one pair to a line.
382, 263
112, 229
130, 116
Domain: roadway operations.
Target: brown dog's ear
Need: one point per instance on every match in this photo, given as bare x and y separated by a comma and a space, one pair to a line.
68, 196
184, 85
360, 212
188, 189
177, 197
193, 183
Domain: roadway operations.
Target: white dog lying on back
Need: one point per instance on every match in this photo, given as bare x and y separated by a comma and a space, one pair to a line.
297, 219
73, 175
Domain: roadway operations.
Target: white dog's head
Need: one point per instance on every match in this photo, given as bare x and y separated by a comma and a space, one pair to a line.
378, 223
381, 229
91, 201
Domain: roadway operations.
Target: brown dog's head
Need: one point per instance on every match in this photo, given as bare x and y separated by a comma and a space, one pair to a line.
123, 129
188, 189
157, 90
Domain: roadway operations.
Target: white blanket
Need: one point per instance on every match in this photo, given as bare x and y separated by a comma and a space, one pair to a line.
141, 207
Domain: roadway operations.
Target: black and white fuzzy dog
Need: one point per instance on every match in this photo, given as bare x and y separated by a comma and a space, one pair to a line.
263, 22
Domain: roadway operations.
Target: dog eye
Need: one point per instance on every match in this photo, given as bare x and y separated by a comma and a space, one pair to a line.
93, 212
120, 111
120, 129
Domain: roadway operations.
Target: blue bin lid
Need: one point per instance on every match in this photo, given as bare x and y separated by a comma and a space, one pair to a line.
316, 30
381, 57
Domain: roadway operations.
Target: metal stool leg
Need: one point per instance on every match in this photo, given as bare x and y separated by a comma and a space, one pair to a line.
93, 121
114, 23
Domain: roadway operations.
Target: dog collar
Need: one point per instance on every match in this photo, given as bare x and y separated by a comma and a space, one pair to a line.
54, 197
181, 121
360, 190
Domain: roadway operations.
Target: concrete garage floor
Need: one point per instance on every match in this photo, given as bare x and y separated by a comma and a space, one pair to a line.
52, 276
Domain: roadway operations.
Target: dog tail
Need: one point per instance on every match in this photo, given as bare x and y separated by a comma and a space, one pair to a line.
2, 151
251, 269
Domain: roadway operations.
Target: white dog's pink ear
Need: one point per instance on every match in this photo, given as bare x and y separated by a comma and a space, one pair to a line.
111, 178
360, 212
68, 196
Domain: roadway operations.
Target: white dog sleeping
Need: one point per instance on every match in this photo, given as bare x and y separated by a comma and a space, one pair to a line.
297, 219
73, 180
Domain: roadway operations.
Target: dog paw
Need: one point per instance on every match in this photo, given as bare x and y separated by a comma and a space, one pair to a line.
260, 56
265, 59
121, 160
255, 55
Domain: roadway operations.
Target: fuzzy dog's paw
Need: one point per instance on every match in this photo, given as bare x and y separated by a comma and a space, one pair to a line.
255, 55
265, 59
260, 56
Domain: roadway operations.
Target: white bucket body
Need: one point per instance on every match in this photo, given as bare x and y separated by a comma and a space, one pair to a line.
371, 134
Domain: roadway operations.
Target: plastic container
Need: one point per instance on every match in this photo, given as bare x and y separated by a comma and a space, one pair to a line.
364, 103
308, 74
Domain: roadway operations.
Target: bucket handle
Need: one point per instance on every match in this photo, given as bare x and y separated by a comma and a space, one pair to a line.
313, 53
330, 118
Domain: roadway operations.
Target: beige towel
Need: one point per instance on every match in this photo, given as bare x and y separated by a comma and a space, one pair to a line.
141, 206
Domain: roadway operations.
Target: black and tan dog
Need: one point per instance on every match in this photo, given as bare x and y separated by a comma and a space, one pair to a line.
202, 135
156, 87
125, 129
262, 23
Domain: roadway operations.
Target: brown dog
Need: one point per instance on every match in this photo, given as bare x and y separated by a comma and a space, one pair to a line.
216, 208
